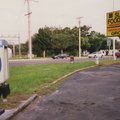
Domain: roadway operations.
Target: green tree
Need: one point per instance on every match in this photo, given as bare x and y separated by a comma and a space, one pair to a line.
85, 45
85, 30
41, 41
60, 39
74, 41
97, 41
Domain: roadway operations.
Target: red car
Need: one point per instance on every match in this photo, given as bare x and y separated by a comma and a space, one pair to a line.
117, 54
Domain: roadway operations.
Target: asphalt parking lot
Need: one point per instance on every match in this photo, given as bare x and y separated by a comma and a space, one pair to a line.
92, 94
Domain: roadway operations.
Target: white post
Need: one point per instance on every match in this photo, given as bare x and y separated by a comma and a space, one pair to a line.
114, 57
109, 52
97, 61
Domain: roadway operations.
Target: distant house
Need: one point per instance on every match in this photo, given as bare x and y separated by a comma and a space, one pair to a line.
111, 52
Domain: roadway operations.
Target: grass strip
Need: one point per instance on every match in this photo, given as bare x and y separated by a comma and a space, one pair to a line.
29, 78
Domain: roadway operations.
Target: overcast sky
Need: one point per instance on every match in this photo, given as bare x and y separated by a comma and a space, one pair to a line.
52, 13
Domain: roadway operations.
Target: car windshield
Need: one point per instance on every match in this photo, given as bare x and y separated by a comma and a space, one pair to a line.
94, 53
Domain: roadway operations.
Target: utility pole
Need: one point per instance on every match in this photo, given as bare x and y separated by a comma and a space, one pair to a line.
29, 30
79, 36
19, 45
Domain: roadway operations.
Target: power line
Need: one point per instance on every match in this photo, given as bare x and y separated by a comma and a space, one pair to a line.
20, 13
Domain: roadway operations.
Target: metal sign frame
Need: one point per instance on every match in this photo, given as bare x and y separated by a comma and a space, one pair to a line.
113, 23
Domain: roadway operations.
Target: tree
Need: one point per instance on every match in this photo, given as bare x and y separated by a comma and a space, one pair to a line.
67, 40
85, 43
85, 30
74, 41
60, 39
97, 41
41, 41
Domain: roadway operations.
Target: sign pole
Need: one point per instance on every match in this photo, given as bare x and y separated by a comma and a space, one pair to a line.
109, 44
109, 52
114, 49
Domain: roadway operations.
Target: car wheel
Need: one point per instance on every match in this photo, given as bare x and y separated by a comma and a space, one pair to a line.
102, 56
95, 56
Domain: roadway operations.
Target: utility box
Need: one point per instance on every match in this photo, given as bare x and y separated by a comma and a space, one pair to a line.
4, 65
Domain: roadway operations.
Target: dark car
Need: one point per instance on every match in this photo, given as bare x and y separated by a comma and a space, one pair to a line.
60, 56
117, 54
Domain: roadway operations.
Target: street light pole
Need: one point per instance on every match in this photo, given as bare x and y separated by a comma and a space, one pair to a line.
79, 37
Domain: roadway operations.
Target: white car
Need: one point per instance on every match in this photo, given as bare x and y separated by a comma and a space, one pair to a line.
95, 55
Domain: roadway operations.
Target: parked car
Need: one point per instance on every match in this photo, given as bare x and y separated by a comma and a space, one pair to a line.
117, 54
60, 56
95, 55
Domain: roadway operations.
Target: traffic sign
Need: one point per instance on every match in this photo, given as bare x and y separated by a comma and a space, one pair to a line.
108, 42
113, 23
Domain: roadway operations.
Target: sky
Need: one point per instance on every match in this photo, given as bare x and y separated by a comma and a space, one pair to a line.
52, 13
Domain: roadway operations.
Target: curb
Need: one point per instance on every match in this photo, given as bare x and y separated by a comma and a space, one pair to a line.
11, 113
71, 73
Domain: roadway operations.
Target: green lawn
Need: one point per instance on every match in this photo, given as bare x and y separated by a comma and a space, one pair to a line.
29, 78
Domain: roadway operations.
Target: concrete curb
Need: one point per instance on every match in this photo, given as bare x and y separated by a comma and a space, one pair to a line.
71, 73
11, 113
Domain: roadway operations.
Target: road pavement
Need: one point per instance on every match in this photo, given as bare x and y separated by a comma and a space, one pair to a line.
92, 94
50, 60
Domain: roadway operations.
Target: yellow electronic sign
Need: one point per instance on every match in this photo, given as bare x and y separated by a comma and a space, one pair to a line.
113, 24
